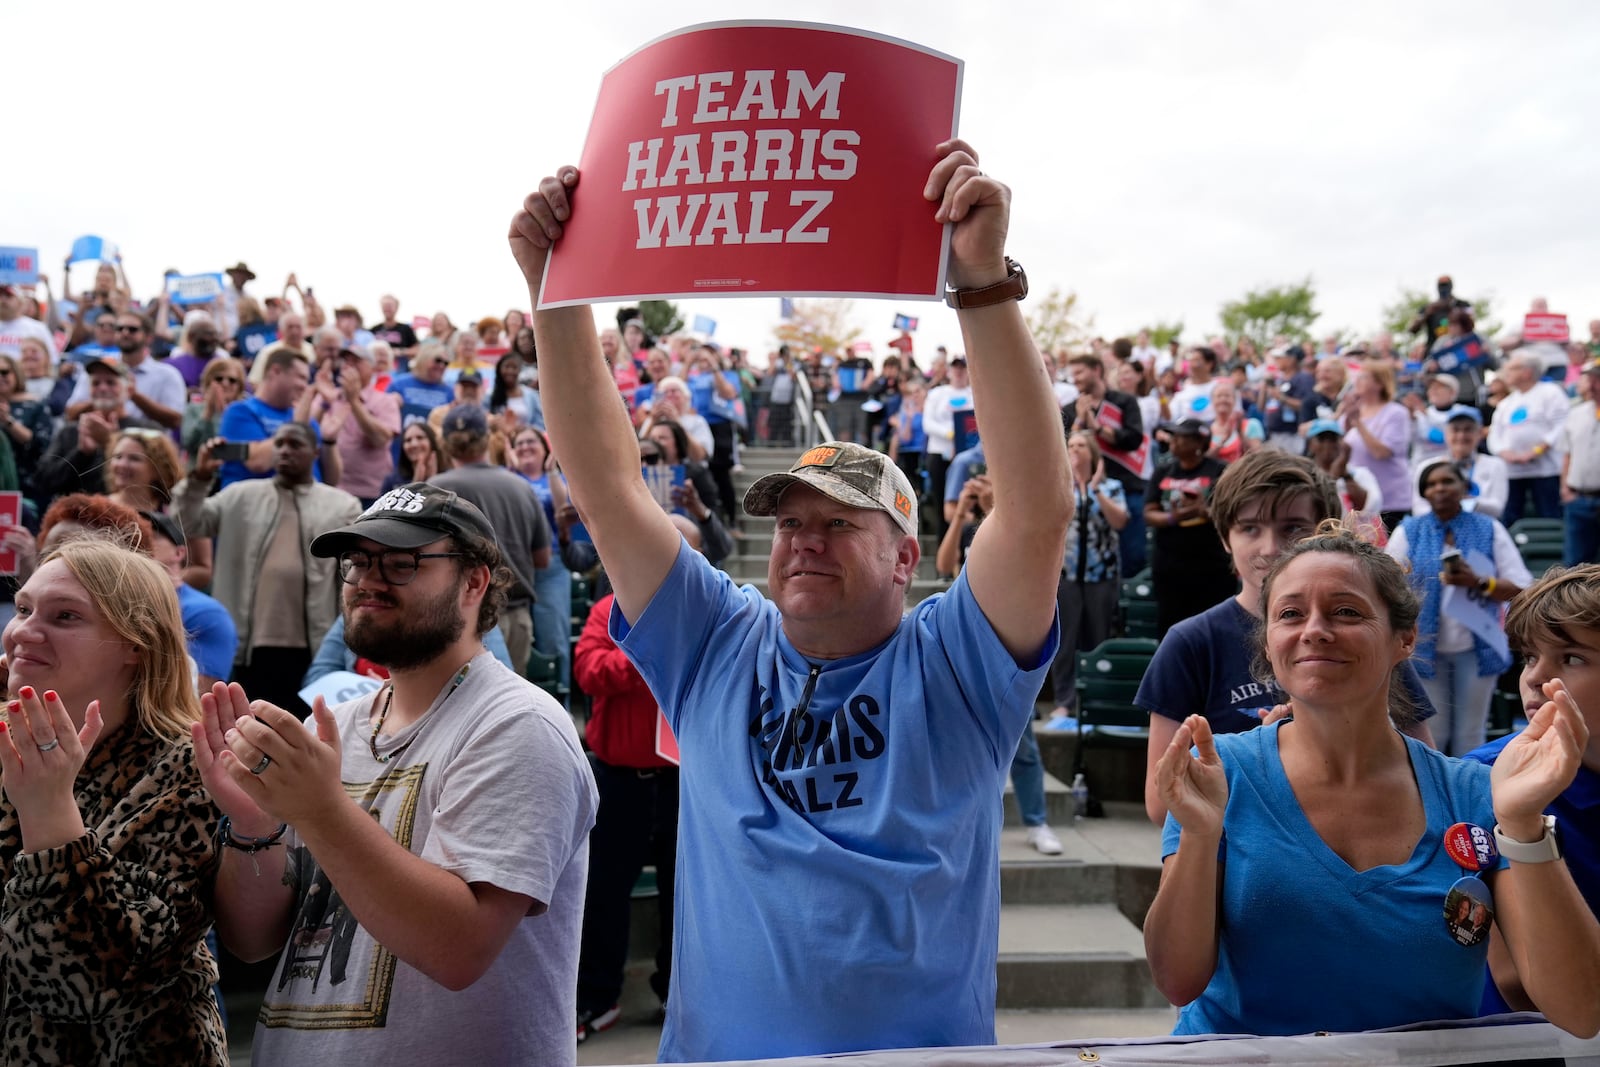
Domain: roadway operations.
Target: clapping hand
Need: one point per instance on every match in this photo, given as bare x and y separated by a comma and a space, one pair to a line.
1539, 763
95, 430
268, 768
41, 752
1194, 787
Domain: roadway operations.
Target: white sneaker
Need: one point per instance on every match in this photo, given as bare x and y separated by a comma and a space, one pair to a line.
1044, 840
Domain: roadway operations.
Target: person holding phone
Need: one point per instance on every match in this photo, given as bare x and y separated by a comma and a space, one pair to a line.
1461, 649
282, 599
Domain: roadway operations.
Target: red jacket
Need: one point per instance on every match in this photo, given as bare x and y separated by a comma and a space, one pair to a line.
622, 720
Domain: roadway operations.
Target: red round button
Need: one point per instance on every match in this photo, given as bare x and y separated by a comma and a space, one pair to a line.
1471, 847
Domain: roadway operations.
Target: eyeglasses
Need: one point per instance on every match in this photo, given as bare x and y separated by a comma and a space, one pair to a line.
130, 329
395, 567
228, 381
651, 458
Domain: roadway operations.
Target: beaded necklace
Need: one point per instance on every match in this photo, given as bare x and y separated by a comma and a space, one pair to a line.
388, 699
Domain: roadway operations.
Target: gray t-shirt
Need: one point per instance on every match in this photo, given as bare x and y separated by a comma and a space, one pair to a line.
507, 500
492, 785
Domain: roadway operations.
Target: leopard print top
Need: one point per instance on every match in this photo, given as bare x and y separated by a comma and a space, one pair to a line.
104, 937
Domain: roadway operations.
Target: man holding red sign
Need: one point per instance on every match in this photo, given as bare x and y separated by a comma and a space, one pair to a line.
838, 850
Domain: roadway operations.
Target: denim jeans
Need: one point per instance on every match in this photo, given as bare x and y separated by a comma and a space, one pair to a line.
1027, 779
1546, 493
552, 616
1462, 698
1582, 542
1131, 538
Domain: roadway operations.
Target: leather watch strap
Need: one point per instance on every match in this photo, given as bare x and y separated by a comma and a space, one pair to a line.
1013, 287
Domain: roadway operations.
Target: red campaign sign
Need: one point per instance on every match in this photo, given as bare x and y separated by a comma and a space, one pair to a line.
752, 158
1538, 326
10, 515
666, 740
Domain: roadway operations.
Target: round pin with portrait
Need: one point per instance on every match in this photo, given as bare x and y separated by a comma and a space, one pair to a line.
1468, 911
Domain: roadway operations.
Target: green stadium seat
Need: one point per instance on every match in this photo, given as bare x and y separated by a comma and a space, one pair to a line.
1108, 679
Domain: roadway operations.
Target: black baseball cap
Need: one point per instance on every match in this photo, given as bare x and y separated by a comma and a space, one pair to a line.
1192, 427
166, 526
408, 516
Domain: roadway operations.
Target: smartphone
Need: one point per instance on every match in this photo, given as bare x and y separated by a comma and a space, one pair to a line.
977, 470
1450, 559
232, 451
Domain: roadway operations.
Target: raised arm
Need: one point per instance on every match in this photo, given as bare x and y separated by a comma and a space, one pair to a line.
1015, 558
587, 422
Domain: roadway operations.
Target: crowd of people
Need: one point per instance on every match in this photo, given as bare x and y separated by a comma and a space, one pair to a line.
222, 505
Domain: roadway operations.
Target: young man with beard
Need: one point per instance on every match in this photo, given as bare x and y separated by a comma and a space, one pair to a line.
429, 897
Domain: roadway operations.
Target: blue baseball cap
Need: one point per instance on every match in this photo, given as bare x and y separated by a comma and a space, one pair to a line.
1464, 411
1318, 427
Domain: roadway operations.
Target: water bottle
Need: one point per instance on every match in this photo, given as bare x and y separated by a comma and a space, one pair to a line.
1080, 796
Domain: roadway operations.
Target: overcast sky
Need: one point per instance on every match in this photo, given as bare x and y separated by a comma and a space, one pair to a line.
1164, 157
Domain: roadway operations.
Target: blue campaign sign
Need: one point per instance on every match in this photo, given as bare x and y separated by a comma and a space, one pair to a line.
662, 479
19, 266
906, 323
189, 289
705, 325
91, 247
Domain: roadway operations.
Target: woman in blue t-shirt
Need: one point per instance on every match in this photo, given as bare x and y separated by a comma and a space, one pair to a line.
1307, 881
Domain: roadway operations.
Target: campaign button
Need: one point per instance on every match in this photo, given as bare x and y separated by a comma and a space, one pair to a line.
1471, 847
1468, 911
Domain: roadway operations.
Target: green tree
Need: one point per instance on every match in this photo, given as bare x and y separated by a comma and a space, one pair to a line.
1164, 333
819, 324
660, 317
1263, 314
1054, 320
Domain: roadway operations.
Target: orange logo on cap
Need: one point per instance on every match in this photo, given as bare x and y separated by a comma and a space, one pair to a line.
818, 456
902, 504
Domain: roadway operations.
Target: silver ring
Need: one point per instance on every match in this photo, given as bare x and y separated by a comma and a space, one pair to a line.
53, 743
266, 761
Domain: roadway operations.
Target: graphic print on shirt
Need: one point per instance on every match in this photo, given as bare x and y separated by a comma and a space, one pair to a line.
811, 756
323, 953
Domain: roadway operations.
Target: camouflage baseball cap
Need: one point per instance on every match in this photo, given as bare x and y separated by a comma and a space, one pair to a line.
851, 474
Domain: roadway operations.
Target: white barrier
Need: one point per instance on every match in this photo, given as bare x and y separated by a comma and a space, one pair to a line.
1522, 1036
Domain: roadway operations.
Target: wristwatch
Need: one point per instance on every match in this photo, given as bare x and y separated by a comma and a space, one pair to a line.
1014, 287
1541, 851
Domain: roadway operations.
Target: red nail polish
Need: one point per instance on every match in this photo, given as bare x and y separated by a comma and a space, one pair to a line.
26, 692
